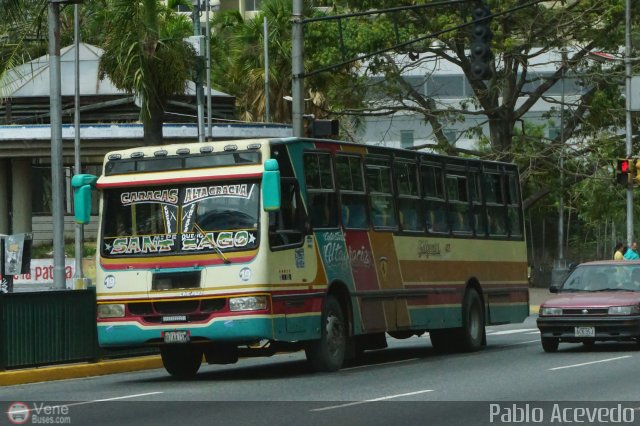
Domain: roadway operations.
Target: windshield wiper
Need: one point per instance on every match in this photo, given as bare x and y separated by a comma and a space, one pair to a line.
215, 246
611, 289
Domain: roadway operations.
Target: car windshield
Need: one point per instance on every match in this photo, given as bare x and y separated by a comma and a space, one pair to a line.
603, 278
181, 219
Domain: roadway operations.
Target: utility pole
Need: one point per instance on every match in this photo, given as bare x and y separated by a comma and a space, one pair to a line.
297, 60
79, 234
198, 78
267, 113
628, 132
57, 182
207, 5
560, 267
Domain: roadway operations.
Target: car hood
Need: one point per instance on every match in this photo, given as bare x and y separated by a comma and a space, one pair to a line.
596, 299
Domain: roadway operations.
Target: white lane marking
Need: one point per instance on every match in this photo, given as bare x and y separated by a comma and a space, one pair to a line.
383, 398
101, 400
380, 364
503, 332
522, 343
534, 332
589, 363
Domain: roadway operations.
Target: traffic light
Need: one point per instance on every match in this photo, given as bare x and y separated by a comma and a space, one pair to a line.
481, 36
626, 171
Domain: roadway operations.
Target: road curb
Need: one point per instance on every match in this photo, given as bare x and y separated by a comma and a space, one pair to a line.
75, 371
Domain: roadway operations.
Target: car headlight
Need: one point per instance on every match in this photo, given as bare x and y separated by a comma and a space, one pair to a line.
248, 303
115, 310
550, 311
624, 310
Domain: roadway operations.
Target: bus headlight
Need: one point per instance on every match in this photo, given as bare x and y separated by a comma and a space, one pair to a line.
550, 311
115, 310
624, 310
248, 303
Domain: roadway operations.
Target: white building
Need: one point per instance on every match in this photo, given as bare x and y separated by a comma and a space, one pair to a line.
449, 86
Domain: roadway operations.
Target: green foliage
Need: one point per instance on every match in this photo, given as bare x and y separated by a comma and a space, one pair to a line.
145, 51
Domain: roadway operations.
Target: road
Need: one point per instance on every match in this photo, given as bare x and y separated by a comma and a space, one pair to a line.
407, 383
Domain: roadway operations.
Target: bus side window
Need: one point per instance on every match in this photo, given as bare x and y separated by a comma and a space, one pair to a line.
286, 225
321, 190
353, 199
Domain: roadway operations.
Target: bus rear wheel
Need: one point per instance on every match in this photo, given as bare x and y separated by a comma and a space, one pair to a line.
472, 331
328, 353
181, 361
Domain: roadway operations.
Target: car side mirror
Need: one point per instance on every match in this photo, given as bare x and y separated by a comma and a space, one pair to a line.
553, 289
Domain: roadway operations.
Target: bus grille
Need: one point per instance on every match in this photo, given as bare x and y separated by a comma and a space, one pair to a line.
177, 307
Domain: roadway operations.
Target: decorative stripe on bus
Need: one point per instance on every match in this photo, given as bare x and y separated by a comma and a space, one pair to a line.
137, 324
146, 264
275, 295
174, 180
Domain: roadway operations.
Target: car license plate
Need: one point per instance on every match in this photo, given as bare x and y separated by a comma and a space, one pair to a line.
177, 336
585, 332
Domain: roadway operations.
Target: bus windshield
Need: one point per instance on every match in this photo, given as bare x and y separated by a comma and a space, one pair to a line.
190, 218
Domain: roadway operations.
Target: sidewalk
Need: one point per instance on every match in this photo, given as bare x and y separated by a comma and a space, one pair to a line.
79, 370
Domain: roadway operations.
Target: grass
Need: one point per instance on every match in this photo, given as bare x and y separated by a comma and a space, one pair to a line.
45, 251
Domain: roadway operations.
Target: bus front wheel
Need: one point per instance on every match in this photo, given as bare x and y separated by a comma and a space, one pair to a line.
182, 361
327, 353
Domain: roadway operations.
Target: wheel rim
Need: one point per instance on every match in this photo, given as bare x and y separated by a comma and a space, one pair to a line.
335, 334
474, 322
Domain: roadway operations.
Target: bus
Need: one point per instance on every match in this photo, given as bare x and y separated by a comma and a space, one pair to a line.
229, 249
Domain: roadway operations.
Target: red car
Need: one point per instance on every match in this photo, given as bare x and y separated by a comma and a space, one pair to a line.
598, 301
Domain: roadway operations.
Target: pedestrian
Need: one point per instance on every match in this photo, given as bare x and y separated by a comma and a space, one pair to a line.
618, 252
632, 252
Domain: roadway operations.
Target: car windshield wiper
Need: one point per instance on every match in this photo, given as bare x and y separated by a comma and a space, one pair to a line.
215, 246
571, 290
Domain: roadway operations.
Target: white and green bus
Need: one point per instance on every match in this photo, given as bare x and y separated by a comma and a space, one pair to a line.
236, 248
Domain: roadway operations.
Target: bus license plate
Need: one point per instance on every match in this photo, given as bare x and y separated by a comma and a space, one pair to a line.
177, 336
585, 332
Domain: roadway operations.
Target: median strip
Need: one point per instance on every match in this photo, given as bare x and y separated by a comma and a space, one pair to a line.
75, 371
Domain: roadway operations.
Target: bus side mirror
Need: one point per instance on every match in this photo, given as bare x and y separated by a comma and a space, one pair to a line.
271, 186
82, 186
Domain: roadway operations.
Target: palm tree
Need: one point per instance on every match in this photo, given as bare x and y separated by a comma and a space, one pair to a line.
146, 54
20, 28
237, 51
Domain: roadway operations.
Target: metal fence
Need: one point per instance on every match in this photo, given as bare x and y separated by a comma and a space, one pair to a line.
48, 327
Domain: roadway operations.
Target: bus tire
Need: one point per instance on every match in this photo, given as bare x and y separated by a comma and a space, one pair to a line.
328, 353
181, 361
472, 331
550, 344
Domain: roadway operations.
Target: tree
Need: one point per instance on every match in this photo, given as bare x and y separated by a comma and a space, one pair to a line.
146, 54
21, 29
237, 51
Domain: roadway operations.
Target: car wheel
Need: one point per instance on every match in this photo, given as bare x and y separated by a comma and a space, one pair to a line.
328, 353
181, 361
550, 344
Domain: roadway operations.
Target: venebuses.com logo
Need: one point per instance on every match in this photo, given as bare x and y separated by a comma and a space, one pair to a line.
20, 413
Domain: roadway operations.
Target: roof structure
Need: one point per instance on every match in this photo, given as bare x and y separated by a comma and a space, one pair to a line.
25, 90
